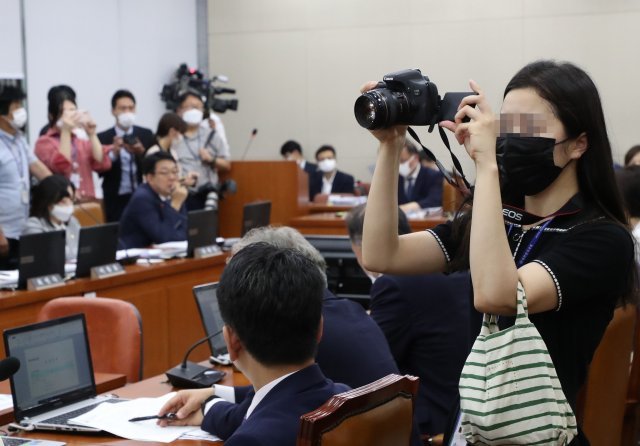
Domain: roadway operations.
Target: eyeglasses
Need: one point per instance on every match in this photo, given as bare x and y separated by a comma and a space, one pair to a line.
166, 173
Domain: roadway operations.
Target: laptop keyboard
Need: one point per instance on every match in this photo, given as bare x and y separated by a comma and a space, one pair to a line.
63, 419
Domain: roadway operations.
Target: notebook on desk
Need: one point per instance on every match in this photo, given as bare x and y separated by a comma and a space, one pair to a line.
55, 382
207, 303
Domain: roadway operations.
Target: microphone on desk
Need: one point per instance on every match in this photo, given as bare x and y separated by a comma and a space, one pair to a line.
254, 132
189, 375
8, 367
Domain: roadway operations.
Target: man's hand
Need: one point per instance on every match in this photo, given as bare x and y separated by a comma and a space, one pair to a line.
178, 196
190, 180
117, 145
4, 244
186, 404
205, 156
135, 149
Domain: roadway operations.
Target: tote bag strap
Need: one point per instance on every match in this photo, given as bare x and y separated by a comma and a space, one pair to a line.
490, 321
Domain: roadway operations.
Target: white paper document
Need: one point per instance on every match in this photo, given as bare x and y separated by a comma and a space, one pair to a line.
114, 418
6, 402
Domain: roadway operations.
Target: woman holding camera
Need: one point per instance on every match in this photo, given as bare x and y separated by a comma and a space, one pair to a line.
548, 214
71, 147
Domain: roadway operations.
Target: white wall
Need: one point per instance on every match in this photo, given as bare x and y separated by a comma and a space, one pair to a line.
10, 32
100, 46
298, 64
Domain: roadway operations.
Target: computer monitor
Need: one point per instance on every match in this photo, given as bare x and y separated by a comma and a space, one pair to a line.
202, 229
345, 277
207, 303
40, 255
255, 215
97, 246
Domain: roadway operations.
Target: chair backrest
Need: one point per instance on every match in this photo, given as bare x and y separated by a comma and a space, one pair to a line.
631, 424
378, 414
605, 392
114, 328
89, 213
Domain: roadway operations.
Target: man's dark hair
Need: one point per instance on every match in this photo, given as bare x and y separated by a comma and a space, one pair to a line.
629, 182
324, 149
272, 298
121, 94
633, 151
9, 94
411, 148
47, 193
289, 147
355, 223
149, 162
183, 97
170, 121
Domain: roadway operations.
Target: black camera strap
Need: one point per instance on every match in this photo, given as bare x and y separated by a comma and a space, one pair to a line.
465, 188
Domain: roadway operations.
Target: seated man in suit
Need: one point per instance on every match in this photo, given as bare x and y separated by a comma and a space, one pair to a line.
292, 151
128, 144
329, 180
156, 212
418, 187
270, 301
425, 318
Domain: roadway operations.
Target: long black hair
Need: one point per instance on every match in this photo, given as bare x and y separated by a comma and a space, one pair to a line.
47, 193
576, 103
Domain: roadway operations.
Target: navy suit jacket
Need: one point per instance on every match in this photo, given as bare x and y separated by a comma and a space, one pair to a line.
343, 183
276, 419
426, 321
353, 351
427, 190
112, 177
147, 220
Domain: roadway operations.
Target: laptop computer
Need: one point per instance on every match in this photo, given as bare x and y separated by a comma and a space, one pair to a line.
17, 441
207, 303
97, 246
202, 229
55, 382
255, 215
40, 255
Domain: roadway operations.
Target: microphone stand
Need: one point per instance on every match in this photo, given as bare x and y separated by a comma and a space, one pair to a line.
189, 375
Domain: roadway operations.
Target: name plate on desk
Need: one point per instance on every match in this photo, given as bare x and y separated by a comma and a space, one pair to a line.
108, 270
44, 282
206, 251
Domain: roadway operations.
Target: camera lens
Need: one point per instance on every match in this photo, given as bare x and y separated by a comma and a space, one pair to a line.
381, 108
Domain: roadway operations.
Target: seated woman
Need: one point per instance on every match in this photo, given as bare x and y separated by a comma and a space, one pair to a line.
64, 149
52, 210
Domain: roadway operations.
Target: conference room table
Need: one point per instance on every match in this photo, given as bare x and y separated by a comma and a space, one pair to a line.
162, 293
150, 387
333, 223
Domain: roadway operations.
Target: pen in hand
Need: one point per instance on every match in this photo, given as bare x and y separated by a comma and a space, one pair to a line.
167, 416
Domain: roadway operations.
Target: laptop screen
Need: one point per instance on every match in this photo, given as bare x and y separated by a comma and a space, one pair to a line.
97, 246
202, 229
41, 254
55, 364
207, 302
255, 215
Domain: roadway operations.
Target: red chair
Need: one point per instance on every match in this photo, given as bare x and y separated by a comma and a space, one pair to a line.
114, 328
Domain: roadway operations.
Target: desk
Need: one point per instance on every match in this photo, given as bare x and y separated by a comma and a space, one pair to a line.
105, 382
162, 294
151, 387
332, 223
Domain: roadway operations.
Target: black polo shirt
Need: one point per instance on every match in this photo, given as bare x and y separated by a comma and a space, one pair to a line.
589, 258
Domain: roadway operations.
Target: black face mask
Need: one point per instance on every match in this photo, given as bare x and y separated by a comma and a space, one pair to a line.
526, 163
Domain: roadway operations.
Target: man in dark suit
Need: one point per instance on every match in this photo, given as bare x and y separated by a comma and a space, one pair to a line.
418, 187
156, 212
292, 151
425, 319
328, 179
271, 301
128, 144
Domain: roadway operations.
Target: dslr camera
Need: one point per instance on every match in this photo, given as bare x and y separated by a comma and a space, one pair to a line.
405, 97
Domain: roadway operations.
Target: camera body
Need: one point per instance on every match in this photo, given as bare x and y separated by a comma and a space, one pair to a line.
192, 80
405, 97
129, 139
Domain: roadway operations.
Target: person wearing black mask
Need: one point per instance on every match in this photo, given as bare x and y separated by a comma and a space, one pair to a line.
557, 225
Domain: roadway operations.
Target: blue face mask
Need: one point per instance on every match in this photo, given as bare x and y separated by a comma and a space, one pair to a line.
526, 163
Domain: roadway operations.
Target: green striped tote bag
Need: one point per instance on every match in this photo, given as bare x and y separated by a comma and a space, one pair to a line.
509, 391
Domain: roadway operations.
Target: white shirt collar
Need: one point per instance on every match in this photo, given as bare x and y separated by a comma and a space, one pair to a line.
414, 174
327, 184
302, 164
121, 133
260, 394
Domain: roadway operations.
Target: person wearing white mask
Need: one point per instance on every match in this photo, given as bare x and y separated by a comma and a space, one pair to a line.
329, 180
202, 150
52, 210
127, 143
418, 186
71, 146
17, 163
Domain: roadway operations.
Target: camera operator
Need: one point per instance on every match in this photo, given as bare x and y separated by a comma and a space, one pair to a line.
128, 143
202, 150
564, 237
